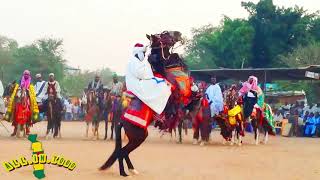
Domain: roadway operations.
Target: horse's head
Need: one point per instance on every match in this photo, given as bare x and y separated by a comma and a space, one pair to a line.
160, 56
165, 40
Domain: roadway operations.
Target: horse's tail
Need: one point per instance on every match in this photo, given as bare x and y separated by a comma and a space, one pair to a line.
116, 152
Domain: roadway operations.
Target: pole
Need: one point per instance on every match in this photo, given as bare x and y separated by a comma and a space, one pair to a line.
265, 82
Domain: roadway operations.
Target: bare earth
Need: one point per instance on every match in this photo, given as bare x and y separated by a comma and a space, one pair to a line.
159, 158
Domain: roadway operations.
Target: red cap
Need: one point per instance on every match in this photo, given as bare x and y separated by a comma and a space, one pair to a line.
138, 45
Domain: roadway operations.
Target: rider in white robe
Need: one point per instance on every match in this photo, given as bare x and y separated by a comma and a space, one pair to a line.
153, 91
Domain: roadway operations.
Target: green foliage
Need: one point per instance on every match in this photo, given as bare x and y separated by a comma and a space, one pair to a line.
74, 84
303, 56
43, 56
226, 46
279, 31
269, 32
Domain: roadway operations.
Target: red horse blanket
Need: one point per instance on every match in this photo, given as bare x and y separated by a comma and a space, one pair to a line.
138, 113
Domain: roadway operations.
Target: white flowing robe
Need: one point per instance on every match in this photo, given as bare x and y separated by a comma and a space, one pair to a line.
2, 104
40, 95
215, 99
152, 91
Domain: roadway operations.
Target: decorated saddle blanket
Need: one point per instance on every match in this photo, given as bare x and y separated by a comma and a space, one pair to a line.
138, 113
235, 114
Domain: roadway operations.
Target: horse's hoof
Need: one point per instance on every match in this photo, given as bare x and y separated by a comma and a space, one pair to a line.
202, 143
195, 142
133, 171
124, 174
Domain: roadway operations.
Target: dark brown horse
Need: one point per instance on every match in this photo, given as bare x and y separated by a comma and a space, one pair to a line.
92, 115
161, 61
53, 108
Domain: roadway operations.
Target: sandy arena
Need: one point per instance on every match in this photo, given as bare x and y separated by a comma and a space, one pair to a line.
159, 158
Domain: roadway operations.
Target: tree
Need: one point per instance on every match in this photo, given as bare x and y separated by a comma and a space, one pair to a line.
302, 56
277, 31
74, 84
228, 45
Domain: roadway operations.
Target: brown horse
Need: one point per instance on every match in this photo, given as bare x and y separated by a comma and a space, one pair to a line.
161, 61
53, 108
92, 114
22, 113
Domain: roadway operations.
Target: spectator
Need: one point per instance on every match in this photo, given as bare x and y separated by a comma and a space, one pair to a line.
69, 107
314, 108
317, 120
278, 116
2, 104
75, 111
305, 117
293, 119
286, 108
310, 127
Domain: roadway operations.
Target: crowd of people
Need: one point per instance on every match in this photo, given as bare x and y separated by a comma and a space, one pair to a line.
304, 118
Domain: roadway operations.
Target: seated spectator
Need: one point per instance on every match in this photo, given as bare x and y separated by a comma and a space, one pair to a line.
310, 127
314, 108
317, 119
305, 116
278, 116
286, 108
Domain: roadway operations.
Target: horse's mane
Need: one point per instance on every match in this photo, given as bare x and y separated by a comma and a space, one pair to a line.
161, 58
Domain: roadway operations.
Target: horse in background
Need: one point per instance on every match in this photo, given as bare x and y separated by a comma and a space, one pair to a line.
262, 121
94, 112
53, 108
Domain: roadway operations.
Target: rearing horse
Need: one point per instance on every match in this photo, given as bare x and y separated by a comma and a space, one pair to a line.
165, 65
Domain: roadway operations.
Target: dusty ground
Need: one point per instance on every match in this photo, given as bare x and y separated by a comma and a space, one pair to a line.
283, 158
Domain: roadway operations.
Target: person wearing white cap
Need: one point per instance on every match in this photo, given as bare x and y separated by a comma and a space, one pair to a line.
151, 90
52, 86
